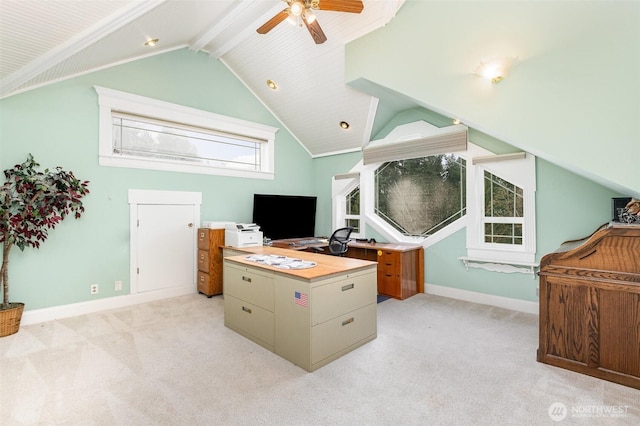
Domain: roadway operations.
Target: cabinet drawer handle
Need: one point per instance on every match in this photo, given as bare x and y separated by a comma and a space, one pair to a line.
348, 287
347, 322
247, 310
247, 279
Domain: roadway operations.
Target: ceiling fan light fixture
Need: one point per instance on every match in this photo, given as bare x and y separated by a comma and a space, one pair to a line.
309, 16
293, 20
299, 12
296, 8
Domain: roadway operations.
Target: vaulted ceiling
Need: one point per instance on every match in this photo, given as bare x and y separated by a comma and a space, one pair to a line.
47, 41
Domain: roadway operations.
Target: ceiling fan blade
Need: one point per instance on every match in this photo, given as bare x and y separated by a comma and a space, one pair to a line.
271, 23
351, 6
316, 31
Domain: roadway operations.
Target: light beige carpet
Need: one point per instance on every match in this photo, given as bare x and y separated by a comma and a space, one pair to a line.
436, 361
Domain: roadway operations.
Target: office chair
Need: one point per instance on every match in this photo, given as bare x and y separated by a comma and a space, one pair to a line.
338, 241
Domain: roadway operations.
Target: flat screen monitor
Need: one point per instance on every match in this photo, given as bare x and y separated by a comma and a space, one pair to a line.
285, 216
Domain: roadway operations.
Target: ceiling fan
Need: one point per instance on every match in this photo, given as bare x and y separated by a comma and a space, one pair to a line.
298, 12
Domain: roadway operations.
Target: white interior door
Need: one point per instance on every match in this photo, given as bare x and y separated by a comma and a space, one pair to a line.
166, 246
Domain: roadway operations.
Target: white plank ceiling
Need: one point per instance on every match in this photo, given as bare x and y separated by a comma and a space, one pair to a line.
47, 41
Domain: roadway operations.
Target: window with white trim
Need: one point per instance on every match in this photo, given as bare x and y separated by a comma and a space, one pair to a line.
420, 196
141, 132
352, 209
498, 210
502, 210
347, 203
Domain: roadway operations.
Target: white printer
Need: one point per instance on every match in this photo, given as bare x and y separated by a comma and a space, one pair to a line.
242, 235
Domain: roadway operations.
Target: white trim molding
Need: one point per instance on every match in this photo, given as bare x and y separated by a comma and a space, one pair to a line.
483, 299
37, 316
501, 266
110, 100
520, 171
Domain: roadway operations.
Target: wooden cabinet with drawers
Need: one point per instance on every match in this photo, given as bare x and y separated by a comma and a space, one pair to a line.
210, 242
309, 317
400, 266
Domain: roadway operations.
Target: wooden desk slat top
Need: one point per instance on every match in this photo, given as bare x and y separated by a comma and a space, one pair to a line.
326, 265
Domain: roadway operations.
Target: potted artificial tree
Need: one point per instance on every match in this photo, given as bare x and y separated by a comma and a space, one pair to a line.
31, 203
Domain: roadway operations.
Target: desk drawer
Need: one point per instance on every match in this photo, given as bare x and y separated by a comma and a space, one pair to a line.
250, 320
204, 281
339, 333
203, 260
341, 297
390, 262
203, 239
249, 284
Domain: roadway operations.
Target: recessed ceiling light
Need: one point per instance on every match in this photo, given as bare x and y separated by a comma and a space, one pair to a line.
152, 42
272, 84
344, 125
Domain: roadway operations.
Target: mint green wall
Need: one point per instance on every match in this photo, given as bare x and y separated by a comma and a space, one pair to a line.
324, 168
59, 125
568, 206
571, 97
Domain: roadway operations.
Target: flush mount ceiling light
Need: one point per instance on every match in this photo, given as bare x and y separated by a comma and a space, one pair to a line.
272, 84
494, 70
344, 125
152, 42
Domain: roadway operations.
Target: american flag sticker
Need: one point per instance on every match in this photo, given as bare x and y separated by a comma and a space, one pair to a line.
300, 298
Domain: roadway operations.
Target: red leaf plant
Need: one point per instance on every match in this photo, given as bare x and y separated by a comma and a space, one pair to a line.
32, 203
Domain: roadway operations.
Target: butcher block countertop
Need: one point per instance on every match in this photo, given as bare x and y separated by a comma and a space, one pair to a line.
326, 267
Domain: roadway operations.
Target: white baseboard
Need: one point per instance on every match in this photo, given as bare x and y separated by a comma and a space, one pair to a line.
482, 298
65, 311
74, 309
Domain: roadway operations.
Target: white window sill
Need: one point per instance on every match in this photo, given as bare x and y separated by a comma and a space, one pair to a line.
507, 267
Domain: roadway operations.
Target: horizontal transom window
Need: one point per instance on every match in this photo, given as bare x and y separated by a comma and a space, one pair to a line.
140, 132
147, 138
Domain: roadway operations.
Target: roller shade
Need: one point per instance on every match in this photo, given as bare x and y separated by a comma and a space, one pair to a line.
354, 175
441, 141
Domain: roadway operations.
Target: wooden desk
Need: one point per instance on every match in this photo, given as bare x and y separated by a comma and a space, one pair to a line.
400, 266
590, 305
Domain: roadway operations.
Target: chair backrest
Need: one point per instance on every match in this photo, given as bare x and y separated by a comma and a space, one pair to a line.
338, 241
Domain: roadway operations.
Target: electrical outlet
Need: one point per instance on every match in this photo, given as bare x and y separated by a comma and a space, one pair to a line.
118, 285
94, 288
